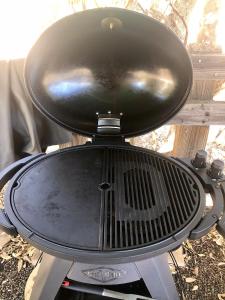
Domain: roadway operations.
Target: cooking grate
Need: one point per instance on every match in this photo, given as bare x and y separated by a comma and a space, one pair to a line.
146, 198
114, 198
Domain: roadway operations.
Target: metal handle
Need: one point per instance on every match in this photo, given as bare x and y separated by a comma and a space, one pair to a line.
83, 288
100, 291
7, 173
221, 223
5, 176
214, 188
213, 216
6, 225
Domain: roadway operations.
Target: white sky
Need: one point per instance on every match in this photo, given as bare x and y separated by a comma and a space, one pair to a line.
22, 21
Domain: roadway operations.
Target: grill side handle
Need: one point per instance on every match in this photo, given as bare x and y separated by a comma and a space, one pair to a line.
220, 227
217, 214
6, 225
5, 175
213, 216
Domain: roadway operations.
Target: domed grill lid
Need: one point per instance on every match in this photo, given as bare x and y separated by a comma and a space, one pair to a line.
109, 71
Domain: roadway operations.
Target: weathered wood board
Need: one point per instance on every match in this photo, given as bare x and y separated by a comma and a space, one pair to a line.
201, 109
208, 66
200, 114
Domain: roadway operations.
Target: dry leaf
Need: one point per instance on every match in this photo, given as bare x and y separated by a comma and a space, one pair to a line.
195, 271
172, 269
26, 258
19, 265
16, 255
221, 296
4, 281
211, 255
189, 245
220, 264
5, 256
195, 288
183, 296
187, 258
201, 255
31, 251
4, 239
14, 239
219, 241
190, 279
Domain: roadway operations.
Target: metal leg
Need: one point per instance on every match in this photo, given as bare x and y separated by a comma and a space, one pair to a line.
155, 272
49, 278
158, 278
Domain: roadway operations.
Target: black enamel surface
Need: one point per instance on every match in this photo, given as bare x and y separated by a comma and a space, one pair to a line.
104, 199
58, 198
109, 60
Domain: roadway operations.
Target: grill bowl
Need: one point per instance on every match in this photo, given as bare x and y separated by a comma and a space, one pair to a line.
106, 203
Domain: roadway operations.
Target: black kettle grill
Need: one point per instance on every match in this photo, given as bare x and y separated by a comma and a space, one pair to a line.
106, 213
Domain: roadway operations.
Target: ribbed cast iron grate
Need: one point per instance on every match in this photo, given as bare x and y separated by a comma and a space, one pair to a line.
146, 198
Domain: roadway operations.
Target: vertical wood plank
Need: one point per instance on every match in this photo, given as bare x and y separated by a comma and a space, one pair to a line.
189, 139
76, 140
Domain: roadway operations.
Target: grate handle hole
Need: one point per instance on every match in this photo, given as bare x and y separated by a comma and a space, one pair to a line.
104, 186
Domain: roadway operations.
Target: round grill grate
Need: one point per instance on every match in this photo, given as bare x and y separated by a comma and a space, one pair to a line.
150, 198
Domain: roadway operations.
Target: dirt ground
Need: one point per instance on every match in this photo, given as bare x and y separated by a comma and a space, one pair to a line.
13, 282
203, 276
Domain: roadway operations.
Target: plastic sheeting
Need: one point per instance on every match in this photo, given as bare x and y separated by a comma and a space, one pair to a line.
23, 129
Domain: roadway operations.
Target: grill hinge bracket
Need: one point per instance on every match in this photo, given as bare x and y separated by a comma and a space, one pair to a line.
109, 123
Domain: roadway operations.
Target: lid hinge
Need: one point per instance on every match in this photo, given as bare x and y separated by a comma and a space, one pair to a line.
109, 123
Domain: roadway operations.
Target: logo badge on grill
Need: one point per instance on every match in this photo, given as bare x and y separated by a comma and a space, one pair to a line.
102, 274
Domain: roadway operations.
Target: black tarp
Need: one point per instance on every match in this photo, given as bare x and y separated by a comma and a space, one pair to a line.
23, 129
